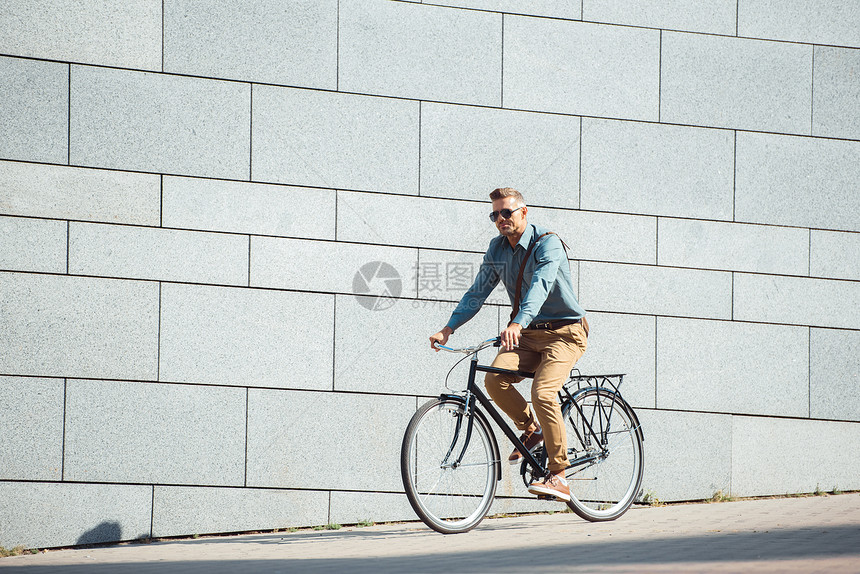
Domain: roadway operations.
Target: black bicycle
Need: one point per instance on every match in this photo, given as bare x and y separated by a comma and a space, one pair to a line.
450, 460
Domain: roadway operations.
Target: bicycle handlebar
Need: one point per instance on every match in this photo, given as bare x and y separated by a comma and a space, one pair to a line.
495, 342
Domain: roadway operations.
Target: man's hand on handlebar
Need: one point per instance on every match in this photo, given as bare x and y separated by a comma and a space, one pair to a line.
510, 337
440, 338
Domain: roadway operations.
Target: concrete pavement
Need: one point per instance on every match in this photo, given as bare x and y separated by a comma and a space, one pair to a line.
812, 534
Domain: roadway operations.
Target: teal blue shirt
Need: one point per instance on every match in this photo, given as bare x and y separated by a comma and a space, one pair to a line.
547, 291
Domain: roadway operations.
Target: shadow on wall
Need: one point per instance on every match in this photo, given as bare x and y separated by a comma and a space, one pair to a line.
104, 532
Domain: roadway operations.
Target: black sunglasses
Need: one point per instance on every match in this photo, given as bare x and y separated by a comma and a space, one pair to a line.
505, 213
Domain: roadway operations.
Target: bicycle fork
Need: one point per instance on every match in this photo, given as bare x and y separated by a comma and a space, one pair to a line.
473, 394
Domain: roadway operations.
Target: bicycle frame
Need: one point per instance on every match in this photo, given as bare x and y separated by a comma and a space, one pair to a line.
473, 393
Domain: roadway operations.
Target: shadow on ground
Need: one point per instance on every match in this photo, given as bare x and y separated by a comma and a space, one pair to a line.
773, 545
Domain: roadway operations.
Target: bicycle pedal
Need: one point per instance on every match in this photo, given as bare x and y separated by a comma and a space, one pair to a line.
547, 497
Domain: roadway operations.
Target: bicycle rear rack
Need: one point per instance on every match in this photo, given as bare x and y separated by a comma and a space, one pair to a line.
581, 381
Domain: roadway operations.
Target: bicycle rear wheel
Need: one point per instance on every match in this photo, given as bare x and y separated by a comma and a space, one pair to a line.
606, 475
450, 497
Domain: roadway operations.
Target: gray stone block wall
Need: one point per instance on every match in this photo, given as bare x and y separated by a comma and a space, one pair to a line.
35, 112
178, 510
33, 244
68, 326
420, 52
78, 194
37, 514
192, 340
124, 35
718, 17
802, 182
581, 68
451, 136
262, 41
721, 81
335, 140
32, 428
164, 123
154, 433
677, 171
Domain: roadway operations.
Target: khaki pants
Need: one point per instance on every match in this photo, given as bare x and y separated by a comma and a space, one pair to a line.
551, 355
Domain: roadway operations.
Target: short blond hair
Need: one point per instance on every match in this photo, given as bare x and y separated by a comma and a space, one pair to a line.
503, 192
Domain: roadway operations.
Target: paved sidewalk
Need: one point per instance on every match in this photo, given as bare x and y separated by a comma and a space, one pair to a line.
815, 534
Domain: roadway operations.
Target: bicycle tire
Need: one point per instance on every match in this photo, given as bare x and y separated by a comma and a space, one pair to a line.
603, 488
448, 499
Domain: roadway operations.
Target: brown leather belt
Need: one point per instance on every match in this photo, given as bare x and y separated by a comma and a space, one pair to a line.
550, 325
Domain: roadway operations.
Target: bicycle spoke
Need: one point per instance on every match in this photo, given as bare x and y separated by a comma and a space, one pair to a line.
606, 480
450, 495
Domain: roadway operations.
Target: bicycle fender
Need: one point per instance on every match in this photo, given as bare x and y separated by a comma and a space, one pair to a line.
620, 399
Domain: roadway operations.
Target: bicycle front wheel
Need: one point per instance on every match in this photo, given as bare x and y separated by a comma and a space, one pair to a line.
448, 492
606, 453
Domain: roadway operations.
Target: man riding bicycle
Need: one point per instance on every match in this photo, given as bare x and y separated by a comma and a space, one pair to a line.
547, 332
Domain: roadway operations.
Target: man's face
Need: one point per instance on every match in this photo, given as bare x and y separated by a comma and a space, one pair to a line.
516, 224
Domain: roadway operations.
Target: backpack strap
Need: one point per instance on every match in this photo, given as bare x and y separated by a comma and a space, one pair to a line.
519, 290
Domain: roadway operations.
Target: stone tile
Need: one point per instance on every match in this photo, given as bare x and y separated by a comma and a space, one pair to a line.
246, 337
31, 428
602, 236
718, 17
394, 355
332, 267
688, 456
162, 254
657, 169
35, 111
414, 221
728, 367
798, 181
280, 424
355, 507
834, 22
581, 68
335, 140
733, 246
241, 207
834, 374
184, 510
623, 344
45, 514
413, 51
265, 41
735, 83
797, 301
125, 35
160, 123
32, 245
836, 92
78, 327
834, 255
154, 433
80, 194
447, 275
512, 505
458, 160
568, 9
655, 290
771, 455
